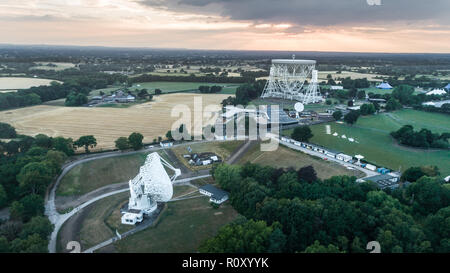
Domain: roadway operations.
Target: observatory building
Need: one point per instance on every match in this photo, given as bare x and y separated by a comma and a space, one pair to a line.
151, 185
287, 78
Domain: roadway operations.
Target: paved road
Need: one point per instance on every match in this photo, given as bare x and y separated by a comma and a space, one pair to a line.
58, 219
367, 172
241, 151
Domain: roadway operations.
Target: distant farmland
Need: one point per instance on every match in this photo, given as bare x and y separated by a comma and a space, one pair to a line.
167, 87
152, 119
14, 83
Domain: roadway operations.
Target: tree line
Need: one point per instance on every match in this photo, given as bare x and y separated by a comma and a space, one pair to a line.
422, 139
286, 210
246, 93
209, 89
28, 165
191, 78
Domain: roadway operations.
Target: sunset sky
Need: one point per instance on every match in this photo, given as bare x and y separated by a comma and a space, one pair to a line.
297, 25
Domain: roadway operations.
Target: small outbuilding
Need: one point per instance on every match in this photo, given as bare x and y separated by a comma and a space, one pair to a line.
383, 180
217, 196
165, 144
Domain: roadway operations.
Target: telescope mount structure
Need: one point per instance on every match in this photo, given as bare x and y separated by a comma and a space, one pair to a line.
287, 78
151, 185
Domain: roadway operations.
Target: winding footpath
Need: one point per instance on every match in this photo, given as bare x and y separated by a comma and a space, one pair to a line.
58, 219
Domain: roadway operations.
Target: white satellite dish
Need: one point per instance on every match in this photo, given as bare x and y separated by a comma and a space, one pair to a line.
299, 107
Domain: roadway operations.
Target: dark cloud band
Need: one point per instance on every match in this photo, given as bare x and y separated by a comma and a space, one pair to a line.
314, 12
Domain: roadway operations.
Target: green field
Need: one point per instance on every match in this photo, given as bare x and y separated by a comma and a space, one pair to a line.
168, 87
104, 218
182, 227
58, 66
94, 228
284, 157
94, 174
375, 143
384, 91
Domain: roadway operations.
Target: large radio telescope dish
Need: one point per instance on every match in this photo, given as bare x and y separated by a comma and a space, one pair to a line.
152, 184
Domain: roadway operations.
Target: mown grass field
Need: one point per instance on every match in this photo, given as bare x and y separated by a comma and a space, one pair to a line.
94, 227
375, 143
58, 66
285, 157
151, 119
167, 87
344, 74
95, 174
383, 91
182, 227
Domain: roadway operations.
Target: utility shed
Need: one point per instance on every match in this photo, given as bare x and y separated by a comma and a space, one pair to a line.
217, 196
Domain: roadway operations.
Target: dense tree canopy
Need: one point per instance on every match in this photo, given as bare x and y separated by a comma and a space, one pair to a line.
302, 133
423, 138
122, 143
333, 215
351, 117
7, 131
26, 169
76, 99
86, 142
337, 115
135, 140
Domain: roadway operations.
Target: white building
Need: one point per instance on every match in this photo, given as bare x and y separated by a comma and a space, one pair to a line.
216, 195
436, 92
132, 217
344, 157
165, 144
336, 87
371, 167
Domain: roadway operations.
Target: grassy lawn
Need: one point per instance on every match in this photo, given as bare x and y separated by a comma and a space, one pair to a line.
167, 87
107, 91
285, 157
95, 226
58, 102
375, 143
182, 227
223, 149
382, 91
58, 66
104, 217
94, 174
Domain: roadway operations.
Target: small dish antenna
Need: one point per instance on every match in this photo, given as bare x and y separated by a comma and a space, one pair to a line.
299, 107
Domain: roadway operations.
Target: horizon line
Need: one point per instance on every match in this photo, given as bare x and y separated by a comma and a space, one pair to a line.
203, 49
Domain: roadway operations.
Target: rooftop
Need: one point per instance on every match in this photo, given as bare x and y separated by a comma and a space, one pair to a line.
216, 192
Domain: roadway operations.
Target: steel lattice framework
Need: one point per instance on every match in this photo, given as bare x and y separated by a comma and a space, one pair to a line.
287, 78
152, 184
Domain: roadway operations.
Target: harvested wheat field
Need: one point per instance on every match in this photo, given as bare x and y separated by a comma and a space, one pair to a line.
151, 119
